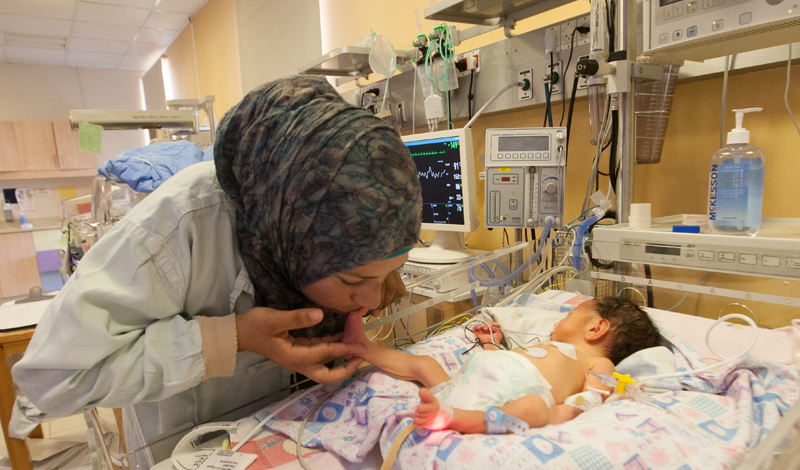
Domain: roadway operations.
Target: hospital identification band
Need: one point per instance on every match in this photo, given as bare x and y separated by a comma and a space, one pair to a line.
498, 422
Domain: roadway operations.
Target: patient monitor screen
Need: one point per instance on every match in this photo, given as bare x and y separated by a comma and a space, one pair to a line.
439, 164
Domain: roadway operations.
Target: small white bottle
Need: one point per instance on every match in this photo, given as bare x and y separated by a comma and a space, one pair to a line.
7, 212
736, 184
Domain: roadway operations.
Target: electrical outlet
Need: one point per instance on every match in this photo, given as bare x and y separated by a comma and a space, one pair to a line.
583, 39
566, 34
555, 88
557, 31
526, 91
583, 82
476, 54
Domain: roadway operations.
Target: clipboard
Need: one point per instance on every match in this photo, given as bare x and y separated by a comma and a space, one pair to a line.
24, 312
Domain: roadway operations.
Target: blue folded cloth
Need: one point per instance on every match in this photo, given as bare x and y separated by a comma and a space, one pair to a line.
145, 168
208, 154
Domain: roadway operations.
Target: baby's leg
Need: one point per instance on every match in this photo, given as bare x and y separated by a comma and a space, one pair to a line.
399, 365
530, 408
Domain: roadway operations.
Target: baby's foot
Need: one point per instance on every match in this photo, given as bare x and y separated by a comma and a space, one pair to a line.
429, 413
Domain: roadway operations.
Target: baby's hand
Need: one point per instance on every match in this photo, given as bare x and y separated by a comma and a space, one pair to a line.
485, 334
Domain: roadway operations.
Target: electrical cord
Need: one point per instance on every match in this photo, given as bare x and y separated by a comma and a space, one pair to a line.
566, 69
470, 96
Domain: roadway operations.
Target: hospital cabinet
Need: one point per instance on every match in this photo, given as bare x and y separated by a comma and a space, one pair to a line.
20, 270
42, 149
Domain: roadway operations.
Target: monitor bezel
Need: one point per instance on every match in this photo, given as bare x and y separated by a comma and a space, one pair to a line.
468, 178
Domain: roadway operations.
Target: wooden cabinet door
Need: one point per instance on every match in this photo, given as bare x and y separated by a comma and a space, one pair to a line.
69, 156
36, 145
8, 147
20, 269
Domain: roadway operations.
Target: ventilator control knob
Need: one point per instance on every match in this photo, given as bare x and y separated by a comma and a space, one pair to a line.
559, 136
550, 188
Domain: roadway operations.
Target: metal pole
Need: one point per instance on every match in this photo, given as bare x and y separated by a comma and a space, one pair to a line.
626, 37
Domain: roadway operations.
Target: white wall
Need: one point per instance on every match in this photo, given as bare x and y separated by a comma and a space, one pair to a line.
276, 37
48, 93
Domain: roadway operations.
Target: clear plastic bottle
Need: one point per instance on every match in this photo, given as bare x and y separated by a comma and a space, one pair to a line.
736, 184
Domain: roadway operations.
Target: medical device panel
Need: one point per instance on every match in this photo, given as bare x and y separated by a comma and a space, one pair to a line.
774, 252
447, 177
524, 176
704, 29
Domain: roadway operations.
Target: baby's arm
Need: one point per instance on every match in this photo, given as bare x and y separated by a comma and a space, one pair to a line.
563, 413
398, 364
486, 334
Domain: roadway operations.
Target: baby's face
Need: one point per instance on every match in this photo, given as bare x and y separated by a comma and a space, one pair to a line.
572, 327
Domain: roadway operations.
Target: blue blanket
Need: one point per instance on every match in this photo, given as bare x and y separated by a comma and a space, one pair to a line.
145, 168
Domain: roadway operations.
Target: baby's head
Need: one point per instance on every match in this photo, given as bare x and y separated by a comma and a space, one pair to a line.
629, 328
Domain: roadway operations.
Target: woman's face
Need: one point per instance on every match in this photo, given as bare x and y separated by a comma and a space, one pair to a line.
346, 291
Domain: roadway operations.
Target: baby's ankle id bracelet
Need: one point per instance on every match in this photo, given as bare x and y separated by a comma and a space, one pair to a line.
498, 422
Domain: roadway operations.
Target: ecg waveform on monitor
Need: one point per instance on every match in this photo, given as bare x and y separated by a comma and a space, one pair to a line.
426, 154
430, 173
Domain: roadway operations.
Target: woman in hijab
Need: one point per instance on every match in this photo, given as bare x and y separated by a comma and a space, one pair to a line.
306, 213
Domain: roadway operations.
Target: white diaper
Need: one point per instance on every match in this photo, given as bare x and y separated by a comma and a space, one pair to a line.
493, 378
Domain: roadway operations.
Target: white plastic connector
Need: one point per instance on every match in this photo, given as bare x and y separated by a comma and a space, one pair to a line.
472, 62
434, 107
602, 201
550, 41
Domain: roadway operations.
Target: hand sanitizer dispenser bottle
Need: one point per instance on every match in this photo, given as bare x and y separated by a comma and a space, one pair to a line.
736, 183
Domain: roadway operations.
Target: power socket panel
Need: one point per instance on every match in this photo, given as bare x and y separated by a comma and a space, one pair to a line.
583, 39
566, 34
555, 88
477, 54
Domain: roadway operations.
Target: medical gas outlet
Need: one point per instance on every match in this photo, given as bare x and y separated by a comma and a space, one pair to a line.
524, 177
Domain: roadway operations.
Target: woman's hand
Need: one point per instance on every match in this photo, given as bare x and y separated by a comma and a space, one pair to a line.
485, 334
265, 331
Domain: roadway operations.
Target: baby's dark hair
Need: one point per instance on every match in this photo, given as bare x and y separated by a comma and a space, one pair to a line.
631, 328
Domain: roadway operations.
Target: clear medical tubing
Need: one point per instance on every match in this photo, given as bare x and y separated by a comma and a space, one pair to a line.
491, 100
519, 270
489, 273
642, 380
577, 246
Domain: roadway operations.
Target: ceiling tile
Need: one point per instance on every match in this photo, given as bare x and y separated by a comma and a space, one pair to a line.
155, 36
145, 49
189, 7
93, 57
58, 9
110, 14
97, 45
28, 54
167, 20
147, 4
103, 31
34, 26
88, 65
138, 62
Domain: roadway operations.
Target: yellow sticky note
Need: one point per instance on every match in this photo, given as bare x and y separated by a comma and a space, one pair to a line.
66, 192
89, 136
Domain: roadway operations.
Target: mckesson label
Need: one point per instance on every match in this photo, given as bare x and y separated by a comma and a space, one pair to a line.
712, 198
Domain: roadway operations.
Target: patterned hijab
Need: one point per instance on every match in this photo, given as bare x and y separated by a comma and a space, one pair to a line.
320, 186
